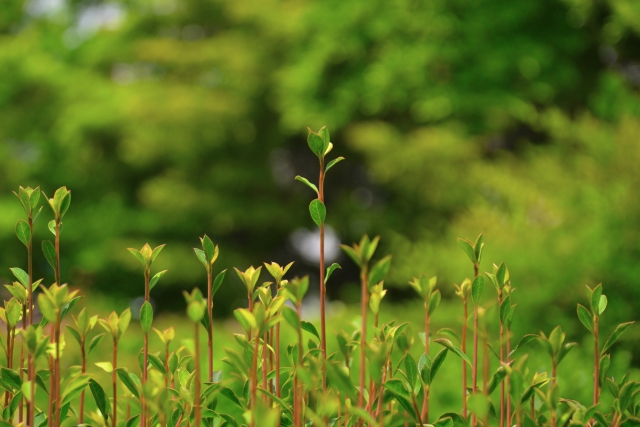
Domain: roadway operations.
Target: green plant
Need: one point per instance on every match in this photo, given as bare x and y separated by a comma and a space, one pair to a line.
320, 144
146, 256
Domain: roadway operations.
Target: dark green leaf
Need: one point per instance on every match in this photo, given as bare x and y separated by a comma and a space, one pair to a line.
157, 363
307, 326
620, 329
437, 362
467, 247
155, 278
477, 288
318, 212
217, 282
49, 253
379, 270
585, 317
332, 163
449, 345
229, 394
315, 144
100, 397
93, 344
146, 316
333, 267
411, 369
128, 382
23, 232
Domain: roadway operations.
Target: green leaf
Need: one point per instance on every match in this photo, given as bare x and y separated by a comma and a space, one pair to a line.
217, 282
155, 278
51, 225
21, 275
318, 212
100, 397
478, 404
12, 378
434, 301
437, 362
449, 345
49, 253
315, 144
308, 183
105, 366
602, 304
585, 317
209, 248
379, 270
202, 257
332, 163
340, 380
595, 298
74, 388
477, 288
146, 316
411, 369
230, 394
498, 376
128, 381
620, 329
136, 253
23, 232
95, 341
467, 247
66, 202
133, 421
308, 326
157, 363
291, 317
605, 361
333, 267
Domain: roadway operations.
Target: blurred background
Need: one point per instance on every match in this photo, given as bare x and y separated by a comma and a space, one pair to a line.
169, 119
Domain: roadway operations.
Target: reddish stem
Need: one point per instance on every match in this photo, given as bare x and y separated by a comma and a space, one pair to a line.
114, 416
197, 376
465, 320
323, 291
210, 316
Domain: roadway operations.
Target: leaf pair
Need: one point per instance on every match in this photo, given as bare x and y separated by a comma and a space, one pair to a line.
146, 255
472, 249
208, 254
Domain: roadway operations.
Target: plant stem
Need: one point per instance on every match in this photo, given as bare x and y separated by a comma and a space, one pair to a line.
502, 383
114, 416
264, 366
465, 320
474, 370
364, 296
83, 357
22, 346
57, 370
508, 378
145, 351
415, 407
210, 316
299, 385
197, 376
425, 402
596, 362
254, 380
323, 291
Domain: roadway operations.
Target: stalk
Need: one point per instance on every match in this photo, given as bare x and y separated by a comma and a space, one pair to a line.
425, 402
465, 321
264, 366
363, 336
323, 291
143, 414
22, 346
210, 314
114, 383
554, 372
197, 376
474, 370
30, 368
299, 385
507, 379
596, 362
254, 380
9, 352
83, 356
502, 383
57, 370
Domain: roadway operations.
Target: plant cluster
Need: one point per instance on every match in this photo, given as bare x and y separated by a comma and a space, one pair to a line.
373, 379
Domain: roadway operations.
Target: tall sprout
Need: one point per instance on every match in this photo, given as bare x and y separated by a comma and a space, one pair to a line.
425, 287
83, 325
590, 318
320, 145
116, 326
147, 256
29, 199
464, 291
361, 253
207, 256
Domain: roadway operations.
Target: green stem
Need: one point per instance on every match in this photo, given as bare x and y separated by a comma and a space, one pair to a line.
197, 375
114, 416
210, 316
465, 320
83, 357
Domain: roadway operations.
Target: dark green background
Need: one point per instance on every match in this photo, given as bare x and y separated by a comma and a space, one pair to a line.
518, 119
